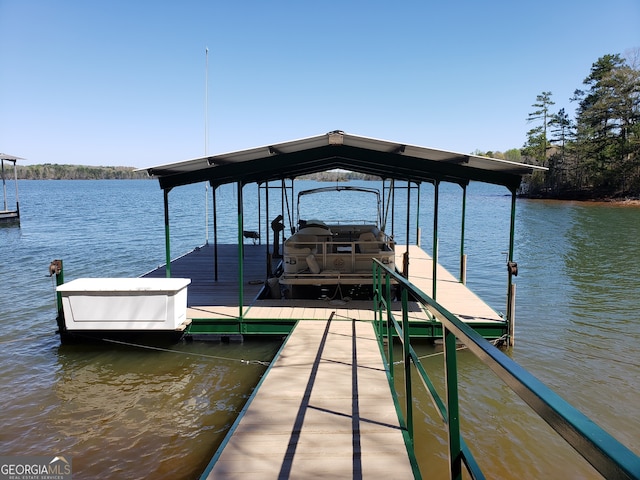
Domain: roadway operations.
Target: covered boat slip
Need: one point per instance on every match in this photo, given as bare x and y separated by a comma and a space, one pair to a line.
393, 162
214, 306
328, 406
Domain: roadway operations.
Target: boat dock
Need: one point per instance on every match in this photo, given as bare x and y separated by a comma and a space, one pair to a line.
327, 405
326, 395
450, 293
323, 410
214, 306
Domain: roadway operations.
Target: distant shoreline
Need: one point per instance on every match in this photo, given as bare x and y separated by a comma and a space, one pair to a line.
54, 171
621, 201
85, 172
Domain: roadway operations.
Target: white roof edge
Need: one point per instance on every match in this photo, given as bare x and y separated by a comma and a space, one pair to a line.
245, 151
11, 158
470, 155
324, 139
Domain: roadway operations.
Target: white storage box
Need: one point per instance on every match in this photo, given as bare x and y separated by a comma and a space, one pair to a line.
124, 303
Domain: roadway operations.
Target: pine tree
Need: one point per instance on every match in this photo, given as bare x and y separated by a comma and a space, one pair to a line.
607, 121
537, 140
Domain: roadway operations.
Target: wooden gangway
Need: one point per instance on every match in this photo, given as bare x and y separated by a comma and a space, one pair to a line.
323, 410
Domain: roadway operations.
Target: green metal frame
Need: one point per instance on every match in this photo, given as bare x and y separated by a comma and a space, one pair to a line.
399, 165
510, 285
235, 326
167, 235
425, 330
463, 266
434, 256
240, 252
600, 449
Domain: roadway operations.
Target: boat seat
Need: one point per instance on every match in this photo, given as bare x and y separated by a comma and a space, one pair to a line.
293, 250
368, 243
320, 234
300, 243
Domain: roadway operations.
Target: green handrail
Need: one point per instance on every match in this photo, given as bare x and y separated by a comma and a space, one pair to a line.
608, 456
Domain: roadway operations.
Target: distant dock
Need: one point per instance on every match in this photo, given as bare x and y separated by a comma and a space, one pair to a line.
9, 215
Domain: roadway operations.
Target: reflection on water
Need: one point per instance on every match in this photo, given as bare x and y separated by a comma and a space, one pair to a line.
126, 412
505, 436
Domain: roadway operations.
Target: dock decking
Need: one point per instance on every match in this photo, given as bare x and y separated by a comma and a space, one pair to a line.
208, 298
323, 410
198, 265
450, 293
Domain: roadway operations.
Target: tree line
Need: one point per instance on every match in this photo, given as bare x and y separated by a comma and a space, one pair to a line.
53, 171
595, 153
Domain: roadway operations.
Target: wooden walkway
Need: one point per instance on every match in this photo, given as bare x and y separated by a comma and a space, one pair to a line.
323, 410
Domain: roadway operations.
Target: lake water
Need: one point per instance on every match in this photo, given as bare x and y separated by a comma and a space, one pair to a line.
123, 412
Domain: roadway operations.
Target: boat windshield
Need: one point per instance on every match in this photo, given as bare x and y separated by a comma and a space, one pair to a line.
340, 205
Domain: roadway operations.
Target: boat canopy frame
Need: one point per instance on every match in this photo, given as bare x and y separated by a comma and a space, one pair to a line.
391, 161
342, 188
339, 150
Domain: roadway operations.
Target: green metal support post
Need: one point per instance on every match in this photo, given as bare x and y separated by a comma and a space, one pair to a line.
215, 233
418, 232
406, 350
167, 236
453, 414
512, 269
393, 207
56, 269
463, 256
436, 196
389, 328
240, 253
405, 258
266, 227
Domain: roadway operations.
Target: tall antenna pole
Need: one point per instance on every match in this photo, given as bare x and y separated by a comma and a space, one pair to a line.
206, 142
206, 102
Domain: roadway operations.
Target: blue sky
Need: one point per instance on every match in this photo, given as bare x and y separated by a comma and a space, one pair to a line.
123, 82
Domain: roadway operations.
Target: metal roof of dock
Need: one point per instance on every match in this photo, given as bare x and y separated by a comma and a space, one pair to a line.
10, 158
339, 150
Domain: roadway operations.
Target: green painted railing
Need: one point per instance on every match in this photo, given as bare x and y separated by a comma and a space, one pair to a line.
600, 449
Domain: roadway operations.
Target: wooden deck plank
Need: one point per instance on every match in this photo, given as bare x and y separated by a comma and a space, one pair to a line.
450, 293
198, 265
208, 298
323, 411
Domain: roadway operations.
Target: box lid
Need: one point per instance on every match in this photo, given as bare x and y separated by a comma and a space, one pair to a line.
159, 285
